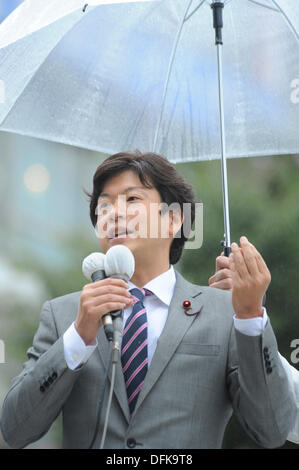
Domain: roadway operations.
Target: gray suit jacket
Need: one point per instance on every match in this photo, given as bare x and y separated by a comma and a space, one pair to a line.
202, 371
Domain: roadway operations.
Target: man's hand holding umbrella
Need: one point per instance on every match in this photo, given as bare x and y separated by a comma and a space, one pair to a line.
246, 274
250, 279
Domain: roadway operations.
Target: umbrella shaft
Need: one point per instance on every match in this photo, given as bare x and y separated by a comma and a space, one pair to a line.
223, 152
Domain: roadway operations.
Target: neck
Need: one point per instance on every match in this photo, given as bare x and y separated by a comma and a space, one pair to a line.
142, 275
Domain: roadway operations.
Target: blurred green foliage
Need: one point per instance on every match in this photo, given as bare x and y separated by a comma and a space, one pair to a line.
263, 195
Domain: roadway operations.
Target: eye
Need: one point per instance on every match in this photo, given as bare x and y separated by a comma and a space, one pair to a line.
132, 197
103, 205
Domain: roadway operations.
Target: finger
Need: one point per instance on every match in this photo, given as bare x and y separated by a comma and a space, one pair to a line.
216, 277
238, 261
225, 284
232, 266
221, 262
107, 308
224, 273
249, 254
109, 281
213, 279
106, 289
103, 299
262, 267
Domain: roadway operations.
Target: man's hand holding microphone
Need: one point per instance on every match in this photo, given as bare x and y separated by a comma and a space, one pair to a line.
98, 299
107, 294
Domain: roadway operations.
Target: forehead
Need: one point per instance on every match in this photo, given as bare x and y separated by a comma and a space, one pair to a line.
121, 183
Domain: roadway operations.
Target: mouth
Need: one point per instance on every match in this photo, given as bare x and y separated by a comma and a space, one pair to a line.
118, 235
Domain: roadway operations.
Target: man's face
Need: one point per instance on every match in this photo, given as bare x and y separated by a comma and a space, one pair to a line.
128, 213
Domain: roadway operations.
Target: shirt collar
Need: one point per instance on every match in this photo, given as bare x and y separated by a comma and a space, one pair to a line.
162, 285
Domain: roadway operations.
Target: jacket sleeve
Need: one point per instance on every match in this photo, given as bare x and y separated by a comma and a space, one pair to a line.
261, 395
293, 378
39, 392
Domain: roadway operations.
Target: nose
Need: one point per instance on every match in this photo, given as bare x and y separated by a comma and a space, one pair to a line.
117, 210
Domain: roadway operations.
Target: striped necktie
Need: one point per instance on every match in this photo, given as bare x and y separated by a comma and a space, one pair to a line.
134, 356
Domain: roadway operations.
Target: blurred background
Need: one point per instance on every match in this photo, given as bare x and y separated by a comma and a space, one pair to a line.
46, 232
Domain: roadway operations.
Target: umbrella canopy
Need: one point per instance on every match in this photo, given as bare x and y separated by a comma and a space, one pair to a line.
118, 76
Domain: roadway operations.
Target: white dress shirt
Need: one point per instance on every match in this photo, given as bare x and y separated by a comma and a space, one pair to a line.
162, 286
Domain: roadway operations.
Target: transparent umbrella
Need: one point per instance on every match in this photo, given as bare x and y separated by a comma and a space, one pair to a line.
112, 76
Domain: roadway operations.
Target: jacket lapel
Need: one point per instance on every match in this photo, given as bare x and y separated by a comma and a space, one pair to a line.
176, 325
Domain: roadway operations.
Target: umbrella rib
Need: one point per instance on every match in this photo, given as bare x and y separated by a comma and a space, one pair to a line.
263, 5
195, 9
168, 74
287, 19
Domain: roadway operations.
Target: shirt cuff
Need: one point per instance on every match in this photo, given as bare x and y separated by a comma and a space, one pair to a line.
75, 350
251, 326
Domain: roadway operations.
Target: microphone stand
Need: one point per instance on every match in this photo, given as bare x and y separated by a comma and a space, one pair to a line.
102, 397
116, 346
114, 350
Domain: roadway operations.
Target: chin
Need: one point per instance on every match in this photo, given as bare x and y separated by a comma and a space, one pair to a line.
130, 242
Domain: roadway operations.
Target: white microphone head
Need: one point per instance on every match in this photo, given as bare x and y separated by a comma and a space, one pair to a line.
119, 262
92, 263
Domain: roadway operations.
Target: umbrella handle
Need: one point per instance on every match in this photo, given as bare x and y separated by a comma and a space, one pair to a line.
217, 8
226, 249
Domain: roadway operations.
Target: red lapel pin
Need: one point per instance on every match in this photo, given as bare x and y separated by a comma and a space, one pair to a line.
186, 306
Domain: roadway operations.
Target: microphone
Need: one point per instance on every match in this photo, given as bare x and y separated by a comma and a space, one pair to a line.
119, 263
93, 268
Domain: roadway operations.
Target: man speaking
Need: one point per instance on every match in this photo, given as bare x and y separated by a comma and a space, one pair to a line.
188, 356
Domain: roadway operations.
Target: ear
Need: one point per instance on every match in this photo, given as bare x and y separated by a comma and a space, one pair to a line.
176, 219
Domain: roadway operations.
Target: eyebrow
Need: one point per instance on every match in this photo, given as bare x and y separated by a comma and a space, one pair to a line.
131, 188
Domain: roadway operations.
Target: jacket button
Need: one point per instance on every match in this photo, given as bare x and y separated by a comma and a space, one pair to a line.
268, 363
42, 388
54, 375
269, 370
131, 443
265, 350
